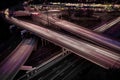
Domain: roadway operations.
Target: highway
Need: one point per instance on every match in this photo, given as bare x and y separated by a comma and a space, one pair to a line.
99, 29
52, 68
108, 25
11, 64
113, 31
79, 31
60, 68
98, 55
105, 58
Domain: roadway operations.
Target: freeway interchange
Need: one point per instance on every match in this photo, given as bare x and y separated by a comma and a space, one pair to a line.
101, 50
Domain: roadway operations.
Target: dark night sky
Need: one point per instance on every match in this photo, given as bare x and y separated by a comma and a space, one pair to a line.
8, 3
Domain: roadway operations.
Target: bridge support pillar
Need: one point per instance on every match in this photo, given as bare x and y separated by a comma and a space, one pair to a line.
44, 42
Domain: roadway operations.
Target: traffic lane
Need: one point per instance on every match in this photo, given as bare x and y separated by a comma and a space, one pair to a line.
89, 35
106, 26
21, 13
80, 31
79, 47
55, 36
11, 65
